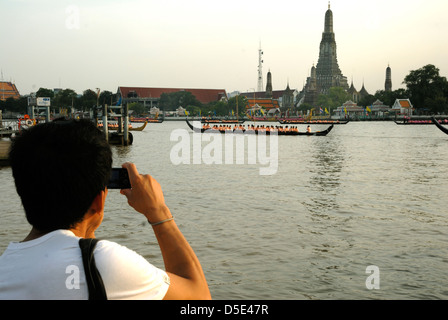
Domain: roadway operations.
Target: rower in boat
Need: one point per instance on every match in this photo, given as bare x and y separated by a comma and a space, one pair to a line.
252, 128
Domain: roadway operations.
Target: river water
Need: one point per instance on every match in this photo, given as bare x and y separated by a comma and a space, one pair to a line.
368, 194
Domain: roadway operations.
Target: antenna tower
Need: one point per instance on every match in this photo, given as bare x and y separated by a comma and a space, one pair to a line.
260, 70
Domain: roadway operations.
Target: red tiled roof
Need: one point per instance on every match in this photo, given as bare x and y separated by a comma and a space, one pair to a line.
265, 103
203, 95
405, 103
8, 90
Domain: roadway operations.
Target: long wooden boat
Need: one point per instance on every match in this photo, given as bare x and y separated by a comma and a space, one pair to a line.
439, 125
280, 133
417, 122
149, 120
335, 122
115, 128
222, 121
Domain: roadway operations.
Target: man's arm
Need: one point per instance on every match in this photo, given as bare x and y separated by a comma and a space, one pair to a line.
186, 275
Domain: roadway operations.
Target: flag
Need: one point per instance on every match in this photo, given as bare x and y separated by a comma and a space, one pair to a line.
368, 109
345, 110
326, 111
321, 110
186, 112
262, 112
233, 113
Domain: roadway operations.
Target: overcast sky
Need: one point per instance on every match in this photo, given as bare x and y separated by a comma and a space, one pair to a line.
212, 44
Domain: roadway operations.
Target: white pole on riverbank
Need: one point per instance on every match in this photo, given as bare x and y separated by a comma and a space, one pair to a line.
125, 124
105, 126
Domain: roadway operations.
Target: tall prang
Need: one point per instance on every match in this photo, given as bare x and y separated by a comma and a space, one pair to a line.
269, 86
328, 73
388, 84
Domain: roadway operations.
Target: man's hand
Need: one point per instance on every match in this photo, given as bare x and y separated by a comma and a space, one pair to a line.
181, 264
145, 195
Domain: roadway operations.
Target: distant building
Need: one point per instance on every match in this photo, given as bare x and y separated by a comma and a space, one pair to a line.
287, 99
150, 97
388, 84
8, 90
403, 106
355, 95
350, 109
327, 69
327, 73
311, 90
283, 99
181, 111
264, 103
379, 108
269, 85
154, 111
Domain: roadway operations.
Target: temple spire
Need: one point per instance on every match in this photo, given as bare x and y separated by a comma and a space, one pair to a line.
388, 85
329, 20
269, 85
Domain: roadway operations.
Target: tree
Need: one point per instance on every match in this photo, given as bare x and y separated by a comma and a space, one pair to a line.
389, 97
242, 102
107, 97
304, 107
367, 100
172, 101
193, 110
427, 89
335, 98
220, 108
138, 108
44, 93
88, 99
19, 105
65, 98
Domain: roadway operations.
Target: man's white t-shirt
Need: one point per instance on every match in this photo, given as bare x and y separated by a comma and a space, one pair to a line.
51, 267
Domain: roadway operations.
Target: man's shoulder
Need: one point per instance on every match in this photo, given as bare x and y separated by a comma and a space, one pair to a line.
112, 252
124, 271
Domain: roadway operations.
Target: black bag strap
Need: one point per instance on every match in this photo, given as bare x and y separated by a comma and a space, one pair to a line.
93, 277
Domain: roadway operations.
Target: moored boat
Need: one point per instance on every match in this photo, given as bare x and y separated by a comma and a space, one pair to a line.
114, 127
149, 120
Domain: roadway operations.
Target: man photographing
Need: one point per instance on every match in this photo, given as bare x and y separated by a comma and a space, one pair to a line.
61, 170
